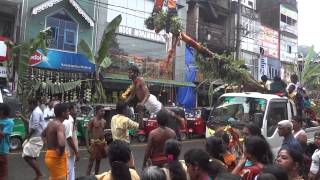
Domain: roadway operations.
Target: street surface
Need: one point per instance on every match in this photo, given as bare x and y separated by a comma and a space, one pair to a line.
18, 168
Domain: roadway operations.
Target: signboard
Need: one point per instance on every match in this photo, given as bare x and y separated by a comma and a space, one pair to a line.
269, 41
138, 33
62, 61
3, 72
3, 49
263, 66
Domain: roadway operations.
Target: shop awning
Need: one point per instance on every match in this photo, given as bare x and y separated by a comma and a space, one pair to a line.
75, 4
124, 79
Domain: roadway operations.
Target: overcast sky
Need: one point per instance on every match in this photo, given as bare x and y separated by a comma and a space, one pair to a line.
309, 23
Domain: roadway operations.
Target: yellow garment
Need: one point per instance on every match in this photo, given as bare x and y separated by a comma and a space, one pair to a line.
120, 125
107, 175
56, 164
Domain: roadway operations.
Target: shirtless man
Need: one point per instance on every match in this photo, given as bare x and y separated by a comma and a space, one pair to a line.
156, 141
56, 157
141, 91
147, 100
95, 134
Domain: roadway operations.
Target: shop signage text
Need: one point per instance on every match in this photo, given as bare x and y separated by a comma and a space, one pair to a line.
138, 33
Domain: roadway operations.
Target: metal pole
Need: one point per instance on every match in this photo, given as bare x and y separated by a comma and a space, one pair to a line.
238, 26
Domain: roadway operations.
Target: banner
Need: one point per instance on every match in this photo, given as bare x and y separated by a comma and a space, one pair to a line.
3, 49
62, 61
263, 66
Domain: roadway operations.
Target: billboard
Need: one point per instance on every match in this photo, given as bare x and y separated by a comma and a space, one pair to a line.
269, 40
62, 61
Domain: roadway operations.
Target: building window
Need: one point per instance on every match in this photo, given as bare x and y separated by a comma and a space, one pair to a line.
289, 49
283, 18
64, 31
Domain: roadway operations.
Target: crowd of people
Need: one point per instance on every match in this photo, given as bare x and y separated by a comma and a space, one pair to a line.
162, 160
295, 92
53, 126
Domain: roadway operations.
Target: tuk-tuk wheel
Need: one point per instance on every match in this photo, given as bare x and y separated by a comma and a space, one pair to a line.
142, 138
15, 143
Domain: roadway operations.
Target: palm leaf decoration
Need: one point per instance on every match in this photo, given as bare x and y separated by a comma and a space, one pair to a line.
101, 59
227, 69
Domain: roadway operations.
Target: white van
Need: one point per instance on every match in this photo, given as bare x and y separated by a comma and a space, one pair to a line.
238, 109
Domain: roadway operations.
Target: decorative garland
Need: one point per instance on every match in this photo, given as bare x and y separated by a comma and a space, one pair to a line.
158, 20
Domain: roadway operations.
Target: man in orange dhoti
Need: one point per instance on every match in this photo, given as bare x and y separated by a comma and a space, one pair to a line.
56, 157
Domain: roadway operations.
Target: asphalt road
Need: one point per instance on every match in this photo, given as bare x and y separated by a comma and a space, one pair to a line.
18, 168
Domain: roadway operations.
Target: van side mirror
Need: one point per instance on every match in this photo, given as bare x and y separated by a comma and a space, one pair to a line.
258, 119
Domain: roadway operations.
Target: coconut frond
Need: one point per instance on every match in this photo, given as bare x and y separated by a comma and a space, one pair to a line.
309, 76
227, 69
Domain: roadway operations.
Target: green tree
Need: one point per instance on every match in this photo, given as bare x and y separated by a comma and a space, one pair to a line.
20, 54
310, 74
101, 59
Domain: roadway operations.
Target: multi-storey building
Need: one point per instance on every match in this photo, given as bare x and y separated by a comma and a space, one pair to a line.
282, 15
75, 20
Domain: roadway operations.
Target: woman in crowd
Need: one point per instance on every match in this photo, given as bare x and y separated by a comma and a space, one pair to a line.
229, 157
291, 161
216, 148
198, 164
256, 150
153, 173
275, 172
174, 169
119, 156
315, 165
252, 129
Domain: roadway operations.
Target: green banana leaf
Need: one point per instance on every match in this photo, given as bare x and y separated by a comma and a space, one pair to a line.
84, 49
107, 39
106, 62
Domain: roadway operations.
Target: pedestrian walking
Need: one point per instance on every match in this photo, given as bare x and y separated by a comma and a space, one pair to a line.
34, 143
56, 156
6, 126
71, 141
97, 149
156, 141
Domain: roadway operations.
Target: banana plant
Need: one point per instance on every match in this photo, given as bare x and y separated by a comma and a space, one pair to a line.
310, 74
101, 59
20, 54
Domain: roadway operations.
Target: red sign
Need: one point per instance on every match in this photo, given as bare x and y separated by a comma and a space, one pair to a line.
4, 52
36, 59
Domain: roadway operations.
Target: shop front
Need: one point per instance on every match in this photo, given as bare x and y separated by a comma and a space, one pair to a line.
58, 67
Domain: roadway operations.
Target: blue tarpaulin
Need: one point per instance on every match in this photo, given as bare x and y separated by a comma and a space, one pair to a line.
186, 96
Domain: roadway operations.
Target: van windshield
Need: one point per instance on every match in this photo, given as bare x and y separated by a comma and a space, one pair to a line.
233, 110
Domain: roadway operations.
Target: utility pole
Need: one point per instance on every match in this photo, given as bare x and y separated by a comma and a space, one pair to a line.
238, 26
